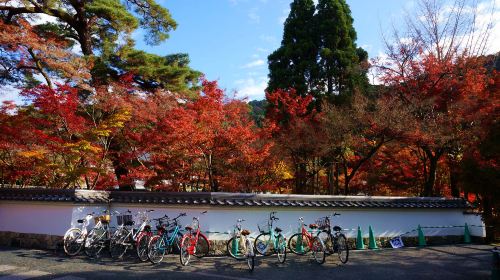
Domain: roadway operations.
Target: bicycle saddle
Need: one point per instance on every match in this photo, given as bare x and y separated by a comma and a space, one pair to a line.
277, 229
188, 228
80, 221
337, 228
245, 232
313, 226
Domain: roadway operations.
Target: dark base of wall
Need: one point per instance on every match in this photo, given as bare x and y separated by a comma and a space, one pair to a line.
217, 247
30, 240
384, 242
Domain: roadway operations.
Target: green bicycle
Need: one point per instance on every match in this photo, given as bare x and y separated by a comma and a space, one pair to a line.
271, 240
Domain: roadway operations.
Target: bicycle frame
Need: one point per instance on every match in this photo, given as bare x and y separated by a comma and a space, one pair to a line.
193, 236
306, 233
273, 237
237, 235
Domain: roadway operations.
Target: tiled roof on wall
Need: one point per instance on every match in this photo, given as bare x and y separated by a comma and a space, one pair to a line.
226, 199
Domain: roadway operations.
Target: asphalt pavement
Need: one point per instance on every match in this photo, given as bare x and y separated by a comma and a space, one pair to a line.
440, 262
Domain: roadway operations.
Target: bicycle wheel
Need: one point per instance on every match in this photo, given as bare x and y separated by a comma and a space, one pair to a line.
95, 242
262, 244
234, 250
175, 247
156, 249
250, 255
327, 242
299, 244
202, 247
281, 248
318, 250
142, 245
73, 241
342, 248
184, 254
117, 246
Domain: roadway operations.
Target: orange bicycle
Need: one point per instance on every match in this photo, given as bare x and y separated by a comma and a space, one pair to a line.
193, 242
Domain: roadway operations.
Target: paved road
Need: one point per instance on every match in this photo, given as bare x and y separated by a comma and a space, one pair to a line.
443, 262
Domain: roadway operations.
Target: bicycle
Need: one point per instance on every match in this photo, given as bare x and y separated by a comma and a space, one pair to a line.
166, 239
126, 236
74, 238
271, 239
302, 242
334, 240
239, 245
193, 242
99, 236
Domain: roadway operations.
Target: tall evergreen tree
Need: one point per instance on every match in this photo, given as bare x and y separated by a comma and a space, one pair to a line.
294, 63
339, 57
318, 53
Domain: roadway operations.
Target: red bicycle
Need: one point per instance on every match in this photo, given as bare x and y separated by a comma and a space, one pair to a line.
304, 241
193, 242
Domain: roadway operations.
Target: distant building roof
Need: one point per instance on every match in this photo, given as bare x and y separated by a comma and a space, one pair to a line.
227, 199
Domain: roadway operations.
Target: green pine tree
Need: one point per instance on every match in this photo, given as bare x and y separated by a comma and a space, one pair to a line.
339, 57
318, 53
294, 64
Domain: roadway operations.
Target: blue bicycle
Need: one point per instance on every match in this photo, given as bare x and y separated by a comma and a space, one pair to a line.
166, 240
271, 239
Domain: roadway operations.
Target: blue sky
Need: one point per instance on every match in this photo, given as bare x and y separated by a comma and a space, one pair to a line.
229, 40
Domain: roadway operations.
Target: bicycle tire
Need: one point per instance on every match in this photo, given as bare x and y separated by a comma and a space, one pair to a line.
94, 243
70, 242
318, 250
184, 254
259, 244
117, 248
328, 241
156, 249
250, 255
229, 248
293, 244
142, 245
281, 248
202, 247
342, 248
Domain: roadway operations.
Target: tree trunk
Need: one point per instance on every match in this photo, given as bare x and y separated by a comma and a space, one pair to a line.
329, 174
433, 164
488, 218
455, 191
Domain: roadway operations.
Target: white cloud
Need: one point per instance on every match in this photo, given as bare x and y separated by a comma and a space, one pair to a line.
251, 88
253, 16
9, 93
255, 63
262, 50
284, 15
268, 38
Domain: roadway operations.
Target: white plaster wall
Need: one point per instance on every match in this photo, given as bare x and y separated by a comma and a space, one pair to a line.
384, 222
56, 218
43, 218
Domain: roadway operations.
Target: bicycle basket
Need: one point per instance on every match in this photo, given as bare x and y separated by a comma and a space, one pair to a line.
103, 219
323, 222
195, 224
264, 226
124, 219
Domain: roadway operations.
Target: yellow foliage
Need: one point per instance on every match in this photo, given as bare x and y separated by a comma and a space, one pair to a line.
82, 146
283, 171
36, 154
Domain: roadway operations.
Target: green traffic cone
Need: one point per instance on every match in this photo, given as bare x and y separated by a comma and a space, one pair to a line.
421, 237
372, 244
360, 245
466, 234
